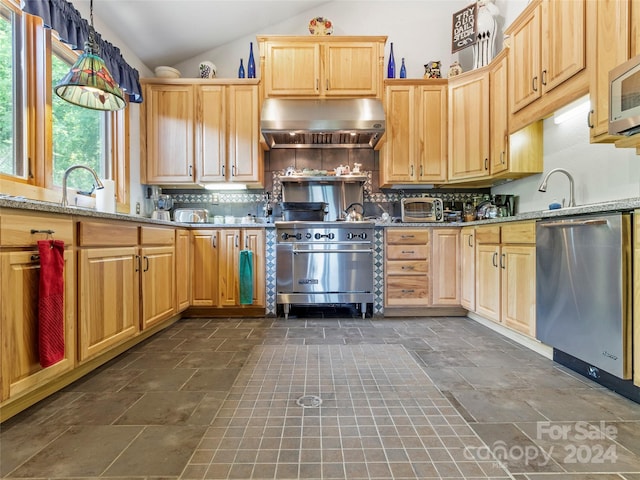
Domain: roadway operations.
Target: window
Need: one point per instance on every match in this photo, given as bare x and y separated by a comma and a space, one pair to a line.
80, 135
11, 95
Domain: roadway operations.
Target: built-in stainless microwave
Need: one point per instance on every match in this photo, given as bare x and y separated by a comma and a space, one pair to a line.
624, 98
422, 209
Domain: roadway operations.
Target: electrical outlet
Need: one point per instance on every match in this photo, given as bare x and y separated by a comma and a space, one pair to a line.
137, 208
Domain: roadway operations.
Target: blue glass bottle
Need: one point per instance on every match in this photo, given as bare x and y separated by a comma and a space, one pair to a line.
251, 64
403, 70
241, 70
391, 67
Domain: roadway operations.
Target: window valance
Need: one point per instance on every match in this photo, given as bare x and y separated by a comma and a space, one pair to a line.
61, 16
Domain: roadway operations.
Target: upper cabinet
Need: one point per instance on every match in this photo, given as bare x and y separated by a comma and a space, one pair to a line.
613, 39
547, 59
415, 146
195, 131
296, 66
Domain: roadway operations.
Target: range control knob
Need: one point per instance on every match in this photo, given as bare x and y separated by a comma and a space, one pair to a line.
319, 236
351, 236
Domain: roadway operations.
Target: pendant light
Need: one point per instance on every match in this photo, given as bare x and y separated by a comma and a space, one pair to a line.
89, 83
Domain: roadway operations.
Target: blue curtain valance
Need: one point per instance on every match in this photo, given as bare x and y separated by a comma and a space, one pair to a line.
61, 16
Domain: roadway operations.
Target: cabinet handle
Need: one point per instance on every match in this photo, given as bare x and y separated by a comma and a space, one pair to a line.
223, 171
534, 84
146, 264
494, 259
421, 171
502, 157
469, 240
237, 240
327, 84
213, 241
412, 170
407, 236
233, 170
137, 263
408, 267
486, 164
405, 290
502, 261
48, 232
246, 242
317, 84
408, 251
590, 118
544, 77
190, 170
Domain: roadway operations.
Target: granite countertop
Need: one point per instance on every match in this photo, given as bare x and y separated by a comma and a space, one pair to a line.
7, 201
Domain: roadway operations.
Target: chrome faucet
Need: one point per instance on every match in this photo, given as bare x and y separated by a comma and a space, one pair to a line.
98, 185
543, 185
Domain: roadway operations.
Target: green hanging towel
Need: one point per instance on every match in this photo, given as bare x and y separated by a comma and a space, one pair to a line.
246, 277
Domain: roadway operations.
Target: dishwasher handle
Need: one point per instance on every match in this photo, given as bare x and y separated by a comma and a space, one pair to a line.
585, 223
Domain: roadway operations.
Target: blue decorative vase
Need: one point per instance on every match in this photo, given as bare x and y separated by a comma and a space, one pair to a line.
241, 70
251, 64
391, 68
403, 70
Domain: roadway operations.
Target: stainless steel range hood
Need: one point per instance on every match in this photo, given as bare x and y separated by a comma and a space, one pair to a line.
326, 123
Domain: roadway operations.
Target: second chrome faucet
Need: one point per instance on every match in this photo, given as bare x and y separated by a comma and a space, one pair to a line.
543, 185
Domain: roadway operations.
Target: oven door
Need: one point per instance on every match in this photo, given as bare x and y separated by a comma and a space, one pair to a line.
327, 268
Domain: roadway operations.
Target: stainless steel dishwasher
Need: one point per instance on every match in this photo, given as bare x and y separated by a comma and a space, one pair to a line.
583, 290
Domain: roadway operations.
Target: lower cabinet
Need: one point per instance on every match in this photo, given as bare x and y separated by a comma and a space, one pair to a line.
505, 268
445, 284
468, 268
158, 287
636, 299
407, 256
108, 286
216, 266
183, 269
20, 369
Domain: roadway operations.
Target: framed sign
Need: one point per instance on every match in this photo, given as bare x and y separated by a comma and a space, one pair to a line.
464, 28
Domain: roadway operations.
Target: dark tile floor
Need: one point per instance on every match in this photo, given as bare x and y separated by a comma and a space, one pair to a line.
317, 397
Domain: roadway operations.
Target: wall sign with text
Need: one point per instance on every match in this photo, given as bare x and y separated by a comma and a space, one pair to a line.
464, 28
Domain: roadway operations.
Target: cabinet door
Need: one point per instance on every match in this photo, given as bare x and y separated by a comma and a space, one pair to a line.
204, 264
432, 133
488, 281
183, 269
563, 52
254, 240
351, 69
158, 284
469, 127
524, 61
518, 265
211, 138
292, 69
170, 135
108, 292
468, 269
19, 359
609, 31
636, 298
445, 280
498, 83
245, 154
398, 152
228, 261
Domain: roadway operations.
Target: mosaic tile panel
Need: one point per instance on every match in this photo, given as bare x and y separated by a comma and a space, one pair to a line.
270, 278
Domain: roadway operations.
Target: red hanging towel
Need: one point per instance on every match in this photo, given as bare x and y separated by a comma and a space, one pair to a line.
51, 302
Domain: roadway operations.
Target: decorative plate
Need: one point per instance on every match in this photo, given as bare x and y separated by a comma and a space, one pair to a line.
320, 26
207, 70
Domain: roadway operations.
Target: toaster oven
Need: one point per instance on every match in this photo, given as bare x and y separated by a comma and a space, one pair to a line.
422, 209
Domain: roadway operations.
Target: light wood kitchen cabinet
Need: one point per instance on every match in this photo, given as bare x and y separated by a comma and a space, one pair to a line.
415, 145
547, 47
636, 299
468, 268
499, 114
298, 66
158, 274
195, 131
469, 124
505, 274
183, 269
108, 286
216, 257
610, 43
445, 266
20, 369
407, 272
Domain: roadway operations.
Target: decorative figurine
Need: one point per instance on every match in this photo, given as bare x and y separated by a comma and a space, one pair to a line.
455, 69
483, 49
432, 69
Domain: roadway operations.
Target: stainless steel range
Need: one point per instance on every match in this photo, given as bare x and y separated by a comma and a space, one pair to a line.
324, 263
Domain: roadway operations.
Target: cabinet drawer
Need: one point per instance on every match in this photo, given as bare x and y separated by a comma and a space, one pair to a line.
93, 234
407, 252
157, 236
16, 228
489, 234
519, 232
407, 237
407, 288
407, 267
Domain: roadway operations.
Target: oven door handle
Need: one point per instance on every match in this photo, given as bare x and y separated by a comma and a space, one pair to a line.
359, 250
